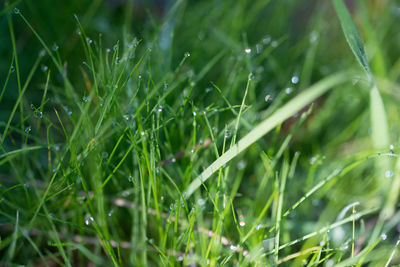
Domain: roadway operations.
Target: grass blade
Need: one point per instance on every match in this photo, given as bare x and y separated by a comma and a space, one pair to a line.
351, 33
268, 124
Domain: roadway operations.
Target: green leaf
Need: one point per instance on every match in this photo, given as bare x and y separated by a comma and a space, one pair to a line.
351, 33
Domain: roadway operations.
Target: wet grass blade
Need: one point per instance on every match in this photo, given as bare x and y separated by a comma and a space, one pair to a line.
268, 124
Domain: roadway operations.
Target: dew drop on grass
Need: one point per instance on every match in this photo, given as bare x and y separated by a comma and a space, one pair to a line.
28, 129
259, 48
388, 173
194, 113
314, 37
110, 213
12, 69
159, 110
274, 44
228, 134
187, 54
247, 50
258, 227
173, 160
115, 47
295, 79
108, 50
391, 147
288, 90
241, 165
26, 185
51, 216
54, 47
180, 258
251, 76
78, 31
201, 202
267, 39
16, 10
267, 98
44, 68
233, 247
383, 236
84, 99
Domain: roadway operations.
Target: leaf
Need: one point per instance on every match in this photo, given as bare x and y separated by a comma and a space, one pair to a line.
351, 33
279, 116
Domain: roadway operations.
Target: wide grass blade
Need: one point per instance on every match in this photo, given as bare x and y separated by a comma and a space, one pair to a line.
268, 124
351, 33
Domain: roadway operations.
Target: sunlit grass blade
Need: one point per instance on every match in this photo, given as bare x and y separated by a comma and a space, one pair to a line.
268, 124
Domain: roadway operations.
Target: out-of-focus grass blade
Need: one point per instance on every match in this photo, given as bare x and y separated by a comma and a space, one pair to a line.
351, 33
268, 124
380, 132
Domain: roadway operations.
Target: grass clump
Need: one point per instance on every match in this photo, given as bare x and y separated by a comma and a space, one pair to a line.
199, 133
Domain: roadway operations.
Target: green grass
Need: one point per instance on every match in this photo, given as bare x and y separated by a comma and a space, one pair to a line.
236, 133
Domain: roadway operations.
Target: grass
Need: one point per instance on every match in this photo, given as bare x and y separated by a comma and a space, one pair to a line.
199, 133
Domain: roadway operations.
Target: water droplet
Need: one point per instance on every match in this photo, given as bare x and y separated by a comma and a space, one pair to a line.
127, 117
159, 110
187, 54
267, 98
173, 160
38, 114
88, 219
251, 76
89, 40
68, 110
233, 247
314, 159
274, 44
26, 185
78, 32
28, 129
259, 48
228, 134
201, 202
16, 10
242, 223
391, 147
314, 37
295, 79
54, 47
42, 53
115, 47
258, 227
388, 173
110, 213
383, 236
51, 216
180, 258
84, 99
241, 165
247, 50
209, 89
108, 50
194, 113
44, 68
267, 39
288, 90
12, 69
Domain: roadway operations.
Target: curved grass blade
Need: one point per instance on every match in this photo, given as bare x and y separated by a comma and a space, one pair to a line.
351, 33
268, 124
